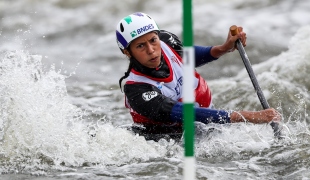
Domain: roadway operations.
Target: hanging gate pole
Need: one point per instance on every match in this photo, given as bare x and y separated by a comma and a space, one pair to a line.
189, 171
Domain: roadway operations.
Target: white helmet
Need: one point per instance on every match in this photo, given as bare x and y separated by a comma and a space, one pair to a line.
132, 27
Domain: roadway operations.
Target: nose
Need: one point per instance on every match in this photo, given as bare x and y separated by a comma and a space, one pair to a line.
150, 49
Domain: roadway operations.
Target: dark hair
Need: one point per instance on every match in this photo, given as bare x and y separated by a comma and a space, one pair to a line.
130, 66
126, 73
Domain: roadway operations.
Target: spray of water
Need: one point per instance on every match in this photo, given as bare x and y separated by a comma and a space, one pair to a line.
41, 129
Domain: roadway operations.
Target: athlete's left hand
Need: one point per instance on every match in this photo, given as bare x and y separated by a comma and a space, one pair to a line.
230, 44
230, 41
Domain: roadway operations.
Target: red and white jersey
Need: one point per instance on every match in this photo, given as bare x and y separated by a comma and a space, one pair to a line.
172, 86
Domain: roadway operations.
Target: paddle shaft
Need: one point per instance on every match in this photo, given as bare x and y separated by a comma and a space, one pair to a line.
247, 64
249, 68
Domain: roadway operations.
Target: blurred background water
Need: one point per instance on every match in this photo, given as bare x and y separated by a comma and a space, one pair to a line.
62, 110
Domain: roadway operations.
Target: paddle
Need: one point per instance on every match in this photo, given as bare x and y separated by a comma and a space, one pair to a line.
246, 61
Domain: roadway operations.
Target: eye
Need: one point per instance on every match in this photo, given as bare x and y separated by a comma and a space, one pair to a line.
139, 46
154, 39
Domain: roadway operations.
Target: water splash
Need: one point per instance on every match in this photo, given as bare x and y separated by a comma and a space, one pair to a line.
41, 129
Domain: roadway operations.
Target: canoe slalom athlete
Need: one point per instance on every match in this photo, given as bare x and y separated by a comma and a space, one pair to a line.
154, 79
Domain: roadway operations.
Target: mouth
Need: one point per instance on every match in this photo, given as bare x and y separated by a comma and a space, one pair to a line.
154, 59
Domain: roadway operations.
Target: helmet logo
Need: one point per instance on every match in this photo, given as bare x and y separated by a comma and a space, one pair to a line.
128, 19
133, 33
145, 28
138, 14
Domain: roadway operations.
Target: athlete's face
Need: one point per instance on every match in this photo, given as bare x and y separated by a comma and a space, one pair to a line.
146, 49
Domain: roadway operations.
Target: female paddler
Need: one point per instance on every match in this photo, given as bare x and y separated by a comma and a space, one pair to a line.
154, 80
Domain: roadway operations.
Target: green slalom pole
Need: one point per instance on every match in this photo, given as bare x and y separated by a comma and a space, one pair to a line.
189, 171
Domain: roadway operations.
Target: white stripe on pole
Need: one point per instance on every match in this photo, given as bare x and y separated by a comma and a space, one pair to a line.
189, 168
188, 69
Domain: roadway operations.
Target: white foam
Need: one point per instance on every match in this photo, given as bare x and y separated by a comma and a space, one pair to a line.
38, 121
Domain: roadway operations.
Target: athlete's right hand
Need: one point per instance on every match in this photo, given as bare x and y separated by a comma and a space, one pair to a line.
270, 115
256, 117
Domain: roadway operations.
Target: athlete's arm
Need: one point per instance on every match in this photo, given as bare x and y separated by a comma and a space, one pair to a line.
204, 115
218, 51
257, 117
203, 55
157, 108
163, 109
